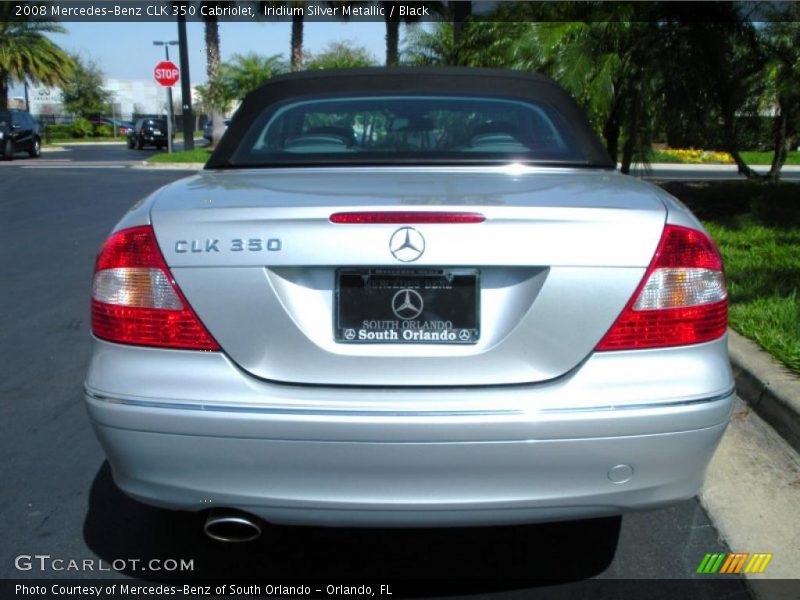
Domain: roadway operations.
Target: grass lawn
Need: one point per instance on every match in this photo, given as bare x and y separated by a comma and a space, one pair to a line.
198, 155
757, 228
751, 158
85, 140
765, 158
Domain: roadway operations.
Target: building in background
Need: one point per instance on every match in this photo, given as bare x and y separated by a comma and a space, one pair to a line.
131, 97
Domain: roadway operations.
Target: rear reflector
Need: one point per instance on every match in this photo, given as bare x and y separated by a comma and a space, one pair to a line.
682, 298
407, 217
135, 299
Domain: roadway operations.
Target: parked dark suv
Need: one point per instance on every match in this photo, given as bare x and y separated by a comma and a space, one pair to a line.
19, 132
151, 132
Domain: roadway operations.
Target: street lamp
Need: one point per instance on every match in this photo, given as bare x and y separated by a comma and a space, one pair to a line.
166, 45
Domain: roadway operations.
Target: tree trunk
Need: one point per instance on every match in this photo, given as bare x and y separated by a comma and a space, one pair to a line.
627, 155
732, 147
461, 12
297, 42
742, 166
780, 146
3, 91
392, 36
212, 48
611, 135
212, 71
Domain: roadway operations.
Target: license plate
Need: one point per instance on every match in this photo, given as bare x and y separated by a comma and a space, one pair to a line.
156, 132
408, 306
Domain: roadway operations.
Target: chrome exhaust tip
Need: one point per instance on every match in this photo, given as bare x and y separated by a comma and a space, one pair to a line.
232, 527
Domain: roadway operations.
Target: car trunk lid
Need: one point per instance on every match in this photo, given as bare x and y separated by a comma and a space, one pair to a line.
557, 256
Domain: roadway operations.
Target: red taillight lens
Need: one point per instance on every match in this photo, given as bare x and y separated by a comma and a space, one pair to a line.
136, 301
681, 300
406, 217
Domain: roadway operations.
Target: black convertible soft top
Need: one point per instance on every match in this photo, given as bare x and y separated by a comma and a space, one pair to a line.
488, 83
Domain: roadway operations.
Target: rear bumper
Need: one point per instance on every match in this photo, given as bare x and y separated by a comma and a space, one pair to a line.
414, 483
403, 457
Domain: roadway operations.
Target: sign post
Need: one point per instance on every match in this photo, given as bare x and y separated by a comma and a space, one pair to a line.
167, 75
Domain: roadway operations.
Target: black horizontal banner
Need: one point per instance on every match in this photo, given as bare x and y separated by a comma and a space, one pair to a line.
597, 589
146, 11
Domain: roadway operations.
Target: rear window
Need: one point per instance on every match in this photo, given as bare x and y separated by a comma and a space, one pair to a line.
409, 129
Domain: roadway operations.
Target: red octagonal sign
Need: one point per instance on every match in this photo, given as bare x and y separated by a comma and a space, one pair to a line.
166, 73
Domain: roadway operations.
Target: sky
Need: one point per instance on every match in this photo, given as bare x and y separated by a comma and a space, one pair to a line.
126, 50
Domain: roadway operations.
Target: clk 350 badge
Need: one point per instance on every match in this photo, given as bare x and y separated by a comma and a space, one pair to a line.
234, 245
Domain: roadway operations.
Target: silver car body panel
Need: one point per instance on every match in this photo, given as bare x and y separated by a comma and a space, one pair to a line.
199, 430
530, 424
554, 243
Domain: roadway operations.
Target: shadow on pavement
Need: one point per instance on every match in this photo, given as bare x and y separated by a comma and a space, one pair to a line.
119, 527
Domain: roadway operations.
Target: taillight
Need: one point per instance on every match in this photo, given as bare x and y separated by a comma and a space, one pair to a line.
135, 299
681, 299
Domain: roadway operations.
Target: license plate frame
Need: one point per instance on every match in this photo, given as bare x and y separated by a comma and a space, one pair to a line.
407, 306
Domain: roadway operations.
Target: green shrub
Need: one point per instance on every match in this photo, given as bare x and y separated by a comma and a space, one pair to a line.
102, 131
59, 132
81, 128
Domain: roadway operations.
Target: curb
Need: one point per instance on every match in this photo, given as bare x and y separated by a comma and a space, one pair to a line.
761, 169
170, 166
121, 141
767, 387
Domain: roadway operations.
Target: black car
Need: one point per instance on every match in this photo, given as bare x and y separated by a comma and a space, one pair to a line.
19, 132
151, 132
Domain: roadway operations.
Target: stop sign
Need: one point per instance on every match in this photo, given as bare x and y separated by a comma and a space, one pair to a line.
166, 73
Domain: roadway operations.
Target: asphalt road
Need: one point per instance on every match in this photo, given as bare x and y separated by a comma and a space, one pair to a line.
59, 498
107, 156
118, 156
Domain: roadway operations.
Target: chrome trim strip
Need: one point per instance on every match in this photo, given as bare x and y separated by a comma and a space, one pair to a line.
375, 413
707, 400
295, 411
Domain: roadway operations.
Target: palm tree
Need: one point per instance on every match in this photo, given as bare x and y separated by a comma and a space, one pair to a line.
610, 66
480, 44
297, 36
297, 9
782, 39
727, 78
245, 72
392, 19
215, 92
27, 55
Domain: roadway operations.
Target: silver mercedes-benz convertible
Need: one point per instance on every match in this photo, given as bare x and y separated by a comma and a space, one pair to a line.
408, 297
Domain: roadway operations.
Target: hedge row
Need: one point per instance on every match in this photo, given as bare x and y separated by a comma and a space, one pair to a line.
79, 128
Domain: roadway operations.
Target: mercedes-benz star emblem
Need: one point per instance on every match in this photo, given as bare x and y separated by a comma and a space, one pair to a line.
407, 304
407, 244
